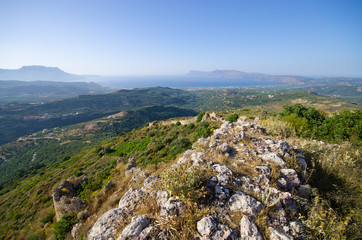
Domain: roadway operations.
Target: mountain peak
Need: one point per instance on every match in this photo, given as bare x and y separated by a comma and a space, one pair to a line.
37, 72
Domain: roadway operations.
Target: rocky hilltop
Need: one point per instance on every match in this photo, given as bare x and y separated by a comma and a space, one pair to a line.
239, 183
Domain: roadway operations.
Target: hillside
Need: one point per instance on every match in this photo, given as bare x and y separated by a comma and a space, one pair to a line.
43, 91
31, 154
236, 162
17, 120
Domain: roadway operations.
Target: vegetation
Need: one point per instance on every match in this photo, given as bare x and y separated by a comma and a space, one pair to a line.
232, 117
63, 226
313, 123
94, 149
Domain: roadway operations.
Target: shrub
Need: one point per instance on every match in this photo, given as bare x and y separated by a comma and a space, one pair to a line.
183, 182
49, 217
200, 116
232, 117
64, 225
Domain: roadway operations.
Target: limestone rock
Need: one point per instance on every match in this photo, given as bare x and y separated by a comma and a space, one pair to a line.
172, 207
206, 226
246, 203
291, 176
276, 234
305, 191
64, 197
223, 232
161, 197
131, 198
133, 230
106, 226
273, 157
248, 229
223, 169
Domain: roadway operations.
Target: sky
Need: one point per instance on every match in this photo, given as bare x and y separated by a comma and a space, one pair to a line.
169, 37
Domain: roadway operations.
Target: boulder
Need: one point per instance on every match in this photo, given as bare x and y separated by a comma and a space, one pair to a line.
223, 169
247, 204
172, 207
273, 157
130, 199
64, 197
133, 230
206, 226
291, 176
223, 232
106, 226
304, 191
161, 197
248, 229
276, 234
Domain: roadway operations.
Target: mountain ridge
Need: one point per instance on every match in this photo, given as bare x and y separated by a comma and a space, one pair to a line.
37, 72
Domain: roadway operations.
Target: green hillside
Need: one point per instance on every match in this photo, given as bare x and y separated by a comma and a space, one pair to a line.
27, 207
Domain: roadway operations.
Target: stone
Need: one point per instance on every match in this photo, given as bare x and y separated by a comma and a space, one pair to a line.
211, 182
75, 230
223, 232
302, 161
132, 171
133, 230
278, 218
263, 169
106, 226
221, 192
282, 183
147, 233
223, 179
206, 226
273, 157
150, 182
220, 168
132, 164
161, 197
224, 148
83, 215
109, 185
246, 203
291, 176
304, 191
65, 198
131, 198
172, 207
248, 229
276, 234
296, 228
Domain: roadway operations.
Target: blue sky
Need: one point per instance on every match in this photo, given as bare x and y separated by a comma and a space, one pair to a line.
169, 37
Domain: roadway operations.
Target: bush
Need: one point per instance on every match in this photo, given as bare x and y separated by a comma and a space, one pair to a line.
64, 226
232, 117
183, 182
48, 218
200, 116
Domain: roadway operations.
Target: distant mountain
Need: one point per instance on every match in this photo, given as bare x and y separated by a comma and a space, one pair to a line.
36, 73
243, 76
41, 91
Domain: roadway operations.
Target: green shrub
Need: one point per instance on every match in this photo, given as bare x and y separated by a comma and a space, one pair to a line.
232, 117
49, 217
64, 226
200, 116
183, 182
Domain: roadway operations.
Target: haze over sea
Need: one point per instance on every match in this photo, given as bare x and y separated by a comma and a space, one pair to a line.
175, 82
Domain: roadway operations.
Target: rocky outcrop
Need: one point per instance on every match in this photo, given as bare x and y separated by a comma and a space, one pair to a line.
65, 198
248, 173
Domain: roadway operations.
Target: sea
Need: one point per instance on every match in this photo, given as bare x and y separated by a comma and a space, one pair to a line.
175, 82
